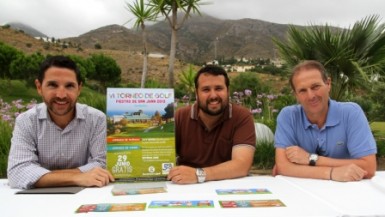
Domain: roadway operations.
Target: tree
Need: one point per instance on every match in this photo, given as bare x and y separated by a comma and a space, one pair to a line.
107, 72
98, 46
354, 58
7, 55
187, 80
377, 96
85, 66
142, 13
26, 68
250, 81
170, 9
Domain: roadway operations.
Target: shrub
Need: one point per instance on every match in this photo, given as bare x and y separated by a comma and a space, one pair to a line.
5, 145
380, 147
97, 101
264, 156
7, 120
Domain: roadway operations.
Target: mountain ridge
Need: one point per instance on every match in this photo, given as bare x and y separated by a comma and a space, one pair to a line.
200, 39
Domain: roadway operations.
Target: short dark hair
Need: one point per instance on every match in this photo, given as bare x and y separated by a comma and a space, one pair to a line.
308, 64
58, 61
212, 70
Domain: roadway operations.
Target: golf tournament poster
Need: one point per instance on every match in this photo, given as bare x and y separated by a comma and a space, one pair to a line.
140, 133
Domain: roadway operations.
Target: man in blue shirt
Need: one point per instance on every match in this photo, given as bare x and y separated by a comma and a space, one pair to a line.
321, 138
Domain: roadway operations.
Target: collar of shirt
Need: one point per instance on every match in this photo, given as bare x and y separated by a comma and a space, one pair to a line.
333, 117
42, 111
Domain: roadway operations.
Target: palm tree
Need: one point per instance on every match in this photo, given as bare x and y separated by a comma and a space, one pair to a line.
353, 57
142, 13
186, 78
169, 9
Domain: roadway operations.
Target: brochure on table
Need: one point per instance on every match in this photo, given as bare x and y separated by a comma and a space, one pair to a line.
140, 133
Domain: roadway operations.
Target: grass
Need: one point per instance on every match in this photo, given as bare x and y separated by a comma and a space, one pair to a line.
5, 145
15, 89
378, 129
92, 98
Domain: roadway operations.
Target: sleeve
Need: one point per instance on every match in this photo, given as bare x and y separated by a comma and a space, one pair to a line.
97, 144
24, 169
360, 138
284, 134
245, 133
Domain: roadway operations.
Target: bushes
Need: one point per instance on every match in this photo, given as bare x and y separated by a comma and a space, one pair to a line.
5, 145
97, 101
264, 156
381, 148
9, 112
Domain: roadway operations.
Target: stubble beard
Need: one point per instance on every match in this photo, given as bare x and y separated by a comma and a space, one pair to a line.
51, 106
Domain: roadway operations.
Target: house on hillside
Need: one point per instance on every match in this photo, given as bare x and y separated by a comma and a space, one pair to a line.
156, 55
213, 62
241, 68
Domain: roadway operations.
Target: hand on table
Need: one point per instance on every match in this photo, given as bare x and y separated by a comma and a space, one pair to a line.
296, 154
182, 175
348, 173
96, 177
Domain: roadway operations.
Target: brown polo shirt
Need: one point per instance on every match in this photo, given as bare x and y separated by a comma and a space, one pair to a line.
198, 147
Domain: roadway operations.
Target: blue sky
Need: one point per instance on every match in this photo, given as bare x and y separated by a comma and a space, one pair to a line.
70, 18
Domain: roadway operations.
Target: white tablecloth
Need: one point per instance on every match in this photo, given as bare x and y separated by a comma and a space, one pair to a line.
302, 197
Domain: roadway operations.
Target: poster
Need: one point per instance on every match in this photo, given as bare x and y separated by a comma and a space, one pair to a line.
140, 133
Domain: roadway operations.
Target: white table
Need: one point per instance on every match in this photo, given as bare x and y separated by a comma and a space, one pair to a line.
302, 197
363, 198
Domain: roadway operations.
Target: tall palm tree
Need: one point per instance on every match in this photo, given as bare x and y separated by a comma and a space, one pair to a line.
352, 57
142, 13
170, 9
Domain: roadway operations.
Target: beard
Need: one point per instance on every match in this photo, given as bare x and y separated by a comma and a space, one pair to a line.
205, 106
54, 103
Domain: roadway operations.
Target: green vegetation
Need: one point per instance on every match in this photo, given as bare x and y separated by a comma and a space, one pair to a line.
264, 156
378, 129
17, 65
16, 89
5, 144
92, 98
354, 58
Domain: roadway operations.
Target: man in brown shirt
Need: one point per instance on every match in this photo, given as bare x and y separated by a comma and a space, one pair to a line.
214, 139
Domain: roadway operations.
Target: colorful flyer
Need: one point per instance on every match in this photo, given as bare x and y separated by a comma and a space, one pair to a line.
243, 191
140, 133
111, 207
250, 203
182, 204
139, 188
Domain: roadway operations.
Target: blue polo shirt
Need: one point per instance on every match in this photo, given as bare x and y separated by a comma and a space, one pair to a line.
346, 133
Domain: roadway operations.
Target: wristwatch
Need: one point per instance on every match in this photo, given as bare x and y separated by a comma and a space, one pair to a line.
313, 159
201, 175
